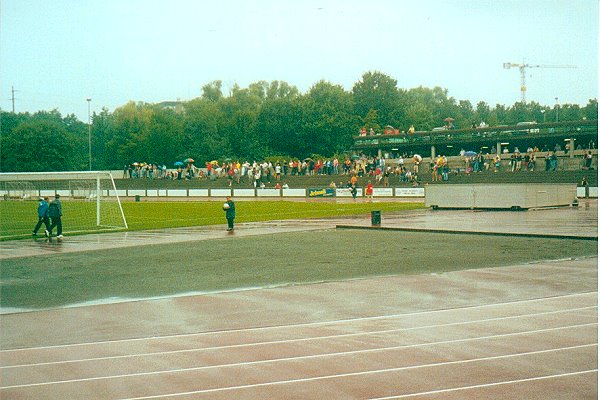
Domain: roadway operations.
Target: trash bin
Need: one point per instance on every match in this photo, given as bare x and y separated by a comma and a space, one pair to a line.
137, 198
375, 218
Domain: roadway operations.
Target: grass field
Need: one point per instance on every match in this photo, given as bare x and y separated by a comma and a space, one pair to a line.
19, 217
258, 261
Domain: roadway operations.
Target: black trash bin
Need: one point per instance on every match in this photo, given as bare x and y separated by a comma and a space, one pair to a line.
375, 218
137, 198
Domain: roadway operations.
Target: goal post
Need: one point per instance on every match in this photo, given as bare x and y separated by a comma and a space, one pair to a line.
90, 201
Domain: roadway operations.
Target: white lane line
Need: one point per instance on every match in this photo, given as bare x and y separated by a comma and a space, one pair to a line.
307, 324
297, 358
298, 340
485, 385
371, 372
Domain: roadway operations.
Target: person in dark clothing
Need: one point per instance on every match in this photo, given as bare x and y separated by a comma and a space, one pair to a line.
42, 216
55, 214
229, 208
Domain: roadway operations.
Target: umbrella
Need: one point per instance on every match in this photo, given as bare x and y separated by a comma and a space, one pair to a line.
227, 160
355, 157
178, 164
308, 159
189, 160
449, 119
470, 153
136, 164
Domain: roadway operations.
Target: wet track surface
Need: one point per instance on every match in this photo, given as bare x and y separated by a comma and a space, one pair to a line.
581, 221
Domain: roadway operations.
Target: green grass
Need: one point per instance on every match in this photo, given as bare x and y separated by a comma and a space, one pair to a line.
19, 217
245, 262
152, 215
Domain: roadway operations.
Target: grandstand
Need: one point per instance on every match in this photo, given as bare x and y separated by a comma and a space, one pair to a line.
491, 139
294, 181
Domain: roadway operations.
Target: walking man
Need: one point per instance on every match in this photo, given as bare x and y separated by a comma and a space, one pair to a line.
42, 216
229, 208
55, 214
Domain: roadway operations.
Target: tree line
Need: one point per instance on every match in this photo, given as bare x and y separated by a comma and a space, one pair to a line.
266, 119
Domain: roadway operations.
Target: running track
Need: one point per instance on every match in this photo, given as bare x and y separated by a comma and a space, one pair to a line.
517, 332
537, 348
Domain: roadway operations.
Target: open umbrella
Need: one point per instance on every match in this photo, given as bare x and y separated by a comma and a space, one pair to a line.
308, 159
189, 160
136, 164
470, 153
355, 157
449, 119
178, 164
227, 159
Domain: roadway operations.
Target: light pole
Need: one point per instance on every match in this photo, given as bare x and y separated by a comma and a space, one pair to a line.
556, 98
89, 101
544, 115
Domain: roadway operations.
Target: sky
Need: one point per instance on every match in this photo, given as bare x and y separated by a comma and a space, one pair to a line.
56, 54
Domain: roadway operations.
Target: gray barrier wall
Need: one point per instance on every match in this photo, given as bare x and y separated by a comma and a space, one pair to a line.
506, 196
416, 193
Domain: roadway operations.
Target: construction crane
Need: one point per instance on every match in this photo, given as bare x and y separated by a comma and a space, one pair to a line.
522, 68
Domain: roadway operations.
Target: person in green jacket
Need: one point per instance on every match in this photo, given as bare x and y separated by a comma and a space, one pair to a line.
229, 208
55, 214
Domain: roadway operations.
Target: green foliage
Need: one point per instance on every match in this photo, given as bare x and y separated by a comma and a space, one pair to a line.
39, 146
252, 123
377, 91
156, 215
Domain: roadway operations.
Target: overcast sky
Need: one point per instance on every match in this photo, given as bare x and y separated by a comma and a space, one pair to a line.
58, 53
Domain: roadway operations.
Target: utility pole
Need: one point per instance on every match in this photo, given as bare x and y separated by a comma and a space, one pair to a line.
89, 101
13, 98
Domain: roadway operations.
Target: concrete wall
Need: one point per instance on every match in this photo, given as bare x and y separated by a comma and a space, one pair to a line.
509, 196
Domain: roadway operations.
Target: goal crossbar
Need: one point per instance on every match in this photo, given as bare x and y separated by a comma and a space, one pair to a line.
101, 187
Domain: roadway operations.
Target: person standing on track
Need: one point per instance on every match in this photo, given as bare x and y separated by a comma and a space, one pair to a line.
370, 191
55, 214
42, 216
229, 208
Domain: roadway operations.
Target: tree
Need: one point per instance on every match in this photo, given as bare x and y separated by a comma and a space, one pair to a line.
420, 116
377, 91
279, 125
212, 91
39, 145
101, 128
8, 123
371, 121
240, 112
328, 119
127, 135
483, 113
165, 138
590, 111
202, 136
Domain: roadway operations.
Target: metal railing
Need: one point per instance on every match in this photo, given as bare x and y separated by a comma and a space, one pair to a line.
486, 134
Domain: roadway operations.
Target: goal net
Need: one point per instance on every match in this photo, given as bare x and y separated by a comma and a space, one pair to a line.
90, 201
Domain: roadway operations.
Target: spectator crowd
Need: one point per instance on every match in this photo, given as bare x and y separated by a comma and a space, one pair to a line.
403, 169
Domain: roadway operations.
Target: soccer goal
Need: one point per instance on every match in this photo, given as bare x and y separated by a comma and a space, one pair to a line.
90, 201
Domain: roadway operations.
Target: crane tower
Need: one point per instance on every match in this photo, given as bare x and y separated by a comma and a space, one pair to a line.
522, 68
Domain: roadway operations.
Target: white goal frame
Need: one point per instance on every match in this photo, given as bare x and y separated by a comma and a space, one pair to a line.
70, 176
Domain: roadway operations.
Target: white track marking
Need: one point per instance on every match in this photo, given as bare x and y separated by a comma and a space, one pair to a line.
344, 353
485, 385
283, 341
371, 372
340, 321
